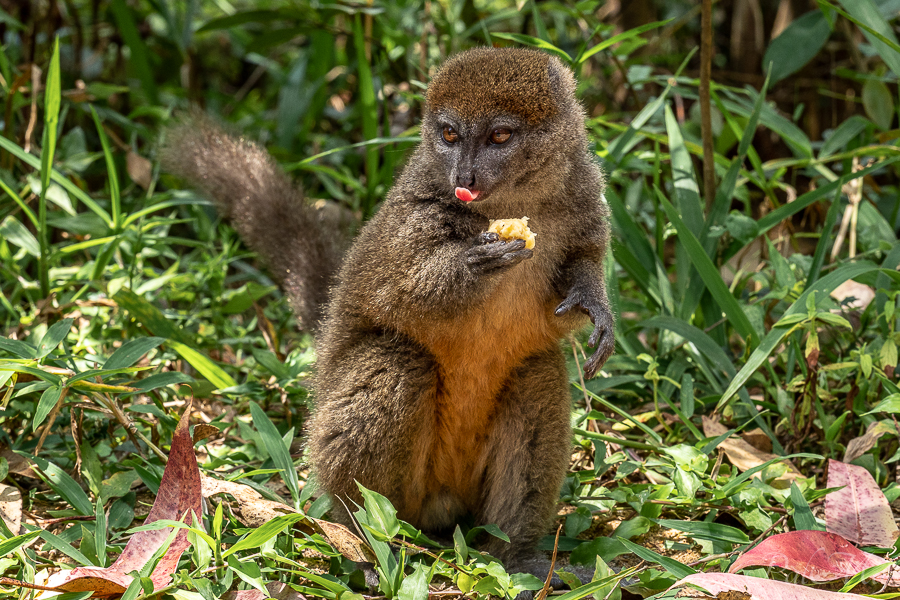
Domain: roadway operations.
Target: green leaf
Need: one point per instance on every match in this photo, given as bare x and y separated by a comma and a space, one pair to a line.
52, 99
54, 336
878, 102
131, 352
798, 44
63, 484
278, 451
671, 565
202, 363
803, 516
14, 543
16, 233
890, 404
161, 380
20, 349
382, 514
822, 288
625, 35
262, 534
415, 586
48, 400
843, 134
66, 548
878, 31
527, 40
711, 276
702, 530
138, 56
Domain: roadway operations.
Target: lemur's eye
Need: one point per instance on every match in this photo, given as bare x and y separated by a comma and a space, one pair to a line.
450, 135
500, 136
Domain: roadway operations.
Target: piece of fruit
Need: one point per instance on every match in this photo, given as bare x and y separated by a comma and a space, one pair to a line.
513, 229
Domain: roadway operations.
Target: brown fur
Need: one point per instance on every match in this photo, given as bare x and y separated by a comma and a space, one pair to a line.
440, 380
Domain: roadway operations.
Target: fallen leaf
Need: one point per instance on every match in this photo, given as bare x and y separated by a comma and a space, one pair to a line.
862, 444
345, 541
203, 431
253, 509
11, 507
18, 464
744, 456
761, 589
276, 589
178, 497
139, 169
816, 555
859, 512
858, 294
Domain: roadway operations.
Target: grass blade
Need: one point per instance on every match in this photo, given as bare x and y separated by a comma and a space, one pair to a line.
52, 99
114, 195
710, 275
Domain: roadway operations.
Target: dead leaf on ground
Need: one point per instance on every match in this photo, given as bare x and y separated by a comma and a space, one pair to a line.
861, 294
254, 510
862, 444
859, 512
11, 507
760, 589
139, 169
345, 541
178, 498
18, 464
744, 456
816, 555
277, 590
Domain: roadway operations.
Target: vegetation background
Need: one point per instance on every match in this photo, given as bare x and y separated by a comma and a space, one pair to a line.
754, 192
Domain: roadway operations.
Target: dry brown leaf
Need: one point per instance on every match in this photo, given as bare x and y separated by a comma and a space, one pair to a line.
139, 169
252, 507
862, 444
18, 464
859, 512
345, 541
862, 294
744, 456
277, 590
11, 507
178, 498
203, 431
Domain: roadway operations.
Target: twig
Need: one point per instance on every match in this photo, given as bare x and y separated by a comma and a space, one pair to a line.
542, 594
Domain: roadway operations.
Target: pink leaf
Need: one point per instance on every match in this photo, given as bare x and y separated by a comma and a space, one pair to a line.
817, 555
177, 499
859, 512
761, 589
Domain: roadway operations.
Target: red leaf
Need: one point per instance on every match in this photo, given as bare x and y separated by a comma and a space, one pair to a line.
859, 512
177, 499
817, 555
761, 589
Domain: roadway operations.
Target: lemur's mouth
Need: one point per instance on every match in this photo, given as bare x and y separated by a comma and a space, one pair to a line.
467, 195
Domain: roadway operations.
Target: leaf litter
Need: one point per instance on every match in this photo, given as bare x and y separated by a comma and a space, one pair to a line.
178, 499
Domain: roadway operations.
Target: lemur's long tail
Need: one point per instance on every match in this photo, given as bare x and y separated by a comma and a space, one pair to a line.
302, 246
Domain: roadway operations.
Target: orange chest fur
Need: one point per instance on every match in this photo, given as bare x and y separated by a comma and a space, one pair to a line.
476, 354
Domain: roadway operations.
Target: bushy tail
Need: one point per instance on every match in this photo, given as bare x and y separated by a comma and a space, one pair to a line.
301, 245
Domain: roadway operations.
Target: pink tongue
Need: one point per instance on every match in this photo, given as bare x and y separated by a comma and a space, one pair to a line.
465, 194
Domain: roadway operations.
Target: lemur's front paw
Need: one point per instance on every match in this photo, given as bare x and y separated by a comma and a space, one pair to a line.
602, 338
490, 255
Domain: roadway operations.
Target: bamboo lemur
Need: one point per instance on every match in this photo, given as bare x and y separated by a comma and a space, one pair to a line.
440, 380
